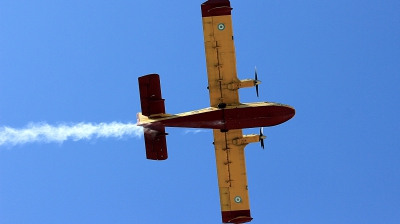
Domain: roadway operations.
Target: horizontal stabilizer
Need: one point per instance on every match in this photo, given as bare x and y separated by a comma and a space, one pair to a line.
156, 143
150, 95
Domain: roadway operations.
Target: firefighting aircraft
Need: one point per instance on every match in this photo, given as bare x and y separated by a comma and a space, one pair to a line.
227, 116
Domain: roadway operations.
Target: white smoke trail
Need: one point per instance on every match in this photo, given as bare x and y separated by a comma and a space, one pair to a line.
42, 132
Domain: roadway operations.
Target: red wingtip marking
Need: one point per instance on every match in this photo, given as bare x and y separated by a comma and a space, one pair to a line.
239, 216
216, 8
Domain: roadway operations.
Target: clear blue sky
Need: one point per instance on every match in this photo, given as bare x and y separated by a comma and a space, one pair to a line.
336, 62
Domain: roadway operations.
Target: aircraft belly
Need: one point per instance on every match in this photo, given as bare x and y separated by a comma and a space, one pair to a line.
251, 117
233, 118
211, 120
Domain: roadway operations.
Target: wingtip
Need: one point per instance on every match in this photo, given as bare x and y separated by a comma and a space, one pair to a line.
216, 8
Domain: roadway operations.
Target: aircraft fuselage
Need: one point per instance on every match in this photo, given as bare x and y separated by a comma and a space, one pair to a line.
249, 115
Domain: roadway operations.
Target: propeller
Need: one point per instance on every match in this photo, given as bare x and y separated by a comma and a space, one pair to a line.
262, 137
256, 81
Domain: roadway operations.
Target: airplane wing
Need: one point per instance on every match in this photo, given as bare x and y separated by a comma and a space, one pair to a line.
232, 178
220, 53
223, 87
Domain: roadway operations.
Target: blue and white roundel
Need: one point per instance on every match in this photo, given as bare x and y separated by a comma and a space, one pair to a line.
221, 26
238, 199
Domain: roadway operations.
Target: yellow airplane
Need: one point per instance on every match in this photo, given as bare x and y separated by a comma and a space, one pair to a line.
227, 116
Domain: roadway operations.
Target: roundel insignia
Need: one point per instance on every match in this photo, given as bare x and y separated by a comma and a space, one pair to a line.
238, 199
221, 26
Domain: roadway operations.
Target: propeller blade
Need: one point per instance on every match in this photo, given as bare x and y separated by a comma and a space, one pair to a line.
256, 81
255, 73
262, 137
257, 90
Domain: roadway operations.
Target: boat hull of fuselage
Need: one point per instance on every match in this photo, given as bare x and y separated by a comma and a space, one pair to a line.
230, 118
